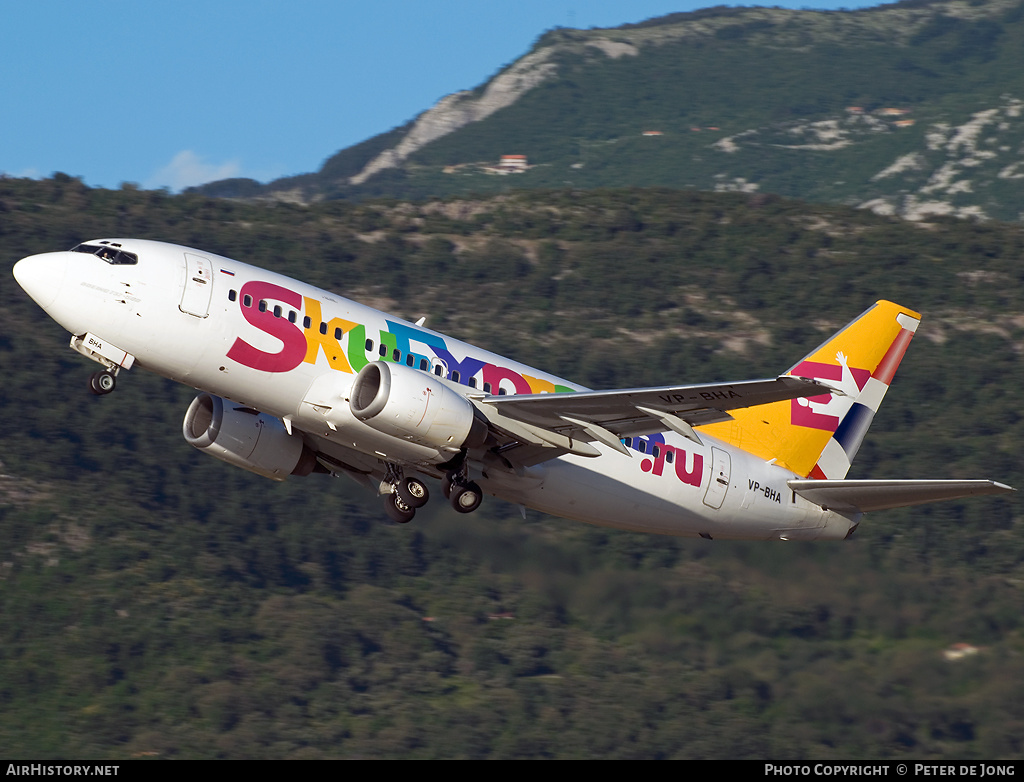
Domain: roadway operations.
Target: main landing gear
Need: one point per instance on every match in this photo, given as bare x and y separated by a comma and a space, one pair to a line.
408, 493
102, 382
464, 495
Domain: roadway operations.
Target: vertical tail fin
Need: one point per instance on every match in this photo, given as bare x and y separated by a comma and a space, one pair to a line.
819, 436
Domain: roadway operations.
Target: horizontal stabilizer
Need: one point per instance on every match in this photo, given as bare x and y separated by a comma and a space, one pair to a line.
862, 496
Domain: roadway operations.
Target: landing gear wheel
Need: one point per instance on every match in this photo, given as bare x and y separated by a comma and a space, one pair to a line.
397, 509
413, 492
466, 498
101, 383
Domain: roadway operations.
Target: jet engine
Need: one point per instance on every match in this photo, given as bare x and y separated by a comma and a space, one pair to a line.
246, 438
415, 406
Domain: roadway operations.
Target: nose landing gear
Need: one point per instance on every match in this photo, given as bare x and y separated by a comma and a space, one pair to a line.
111, 357
102, 383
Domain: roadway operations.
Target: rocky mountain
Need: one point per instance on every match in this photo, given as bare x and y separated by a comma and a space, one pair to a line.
910, 109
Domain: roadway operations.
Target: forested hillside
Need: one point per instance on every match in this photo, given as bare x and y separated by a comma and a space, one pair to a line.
913, 108
158, 603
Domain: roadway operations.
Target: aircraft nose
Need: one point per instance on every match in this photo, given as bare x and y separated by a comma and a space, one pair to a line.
41, 276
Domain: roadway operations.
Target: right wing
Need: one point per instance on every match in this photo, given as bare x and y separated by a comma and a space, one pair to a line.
547, 425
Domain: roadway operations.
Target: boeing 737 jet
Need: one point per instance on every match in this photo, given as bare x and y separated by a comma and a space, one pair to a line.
295, 380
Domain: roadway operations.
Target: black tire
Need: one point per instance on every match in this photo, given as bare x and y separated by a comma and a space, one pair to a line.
397, 509
413, 492
466, 499
102, 383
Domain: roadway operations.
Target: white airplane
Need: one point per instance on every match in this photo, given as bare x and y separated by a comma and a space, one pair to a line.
294, 380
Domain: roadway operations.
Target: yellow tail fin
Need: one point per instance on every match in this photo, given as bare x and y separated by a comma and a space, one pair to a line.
819, 436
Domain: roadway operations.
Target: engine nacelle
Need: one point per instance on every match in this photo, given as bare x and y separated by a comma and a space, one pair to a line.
246, 438
415, 406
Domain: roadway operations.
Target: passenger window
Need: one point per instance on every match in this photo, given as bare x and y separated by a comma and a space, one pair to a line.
439, 370
410, 360
292, 316
232, 295
277, 310
502, 392
641, 446
263, 305
456, 376
307, 322
655, 452
669, 456
628, 442
247, 300
323, 327
369, 346
472, 382
487, 388
337, 333
424, 364
383, 351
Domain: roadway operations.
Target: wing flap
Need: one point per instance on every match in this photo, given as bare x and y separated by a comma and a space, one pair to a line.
862, 496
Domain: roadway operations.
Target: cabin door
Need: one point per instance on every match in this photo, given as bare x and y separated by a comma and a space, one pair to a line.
195, 298
720, 468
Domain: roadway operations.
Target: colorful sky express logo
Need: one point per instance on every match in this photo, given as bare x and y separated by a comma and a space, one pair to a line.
345, 344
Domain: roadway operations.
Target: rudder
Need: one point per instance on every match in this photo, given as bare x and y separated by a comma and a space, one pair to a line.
818, 437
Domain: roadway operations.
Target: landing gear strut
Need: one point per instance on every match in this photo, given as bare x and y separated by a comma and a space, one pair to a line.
102, 383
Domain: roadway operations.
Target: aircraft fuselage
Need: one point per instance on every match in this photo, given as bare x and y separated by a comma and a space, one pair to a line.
292, 351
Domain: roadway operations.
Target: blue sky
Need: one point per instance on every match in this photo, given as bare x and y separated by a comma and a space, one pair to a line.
176, 94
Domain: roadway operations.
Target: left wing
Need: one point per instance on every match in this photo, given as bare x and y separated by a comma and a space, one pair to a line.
569, 422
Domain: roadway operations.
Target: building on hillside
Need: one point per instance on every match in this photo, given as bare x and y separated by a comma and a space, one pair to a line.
959, 651
653, 133
513, 162
508, 164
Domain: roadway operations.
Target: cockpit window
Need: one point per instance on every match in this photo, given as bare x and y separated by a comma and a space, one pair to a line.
111, 255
